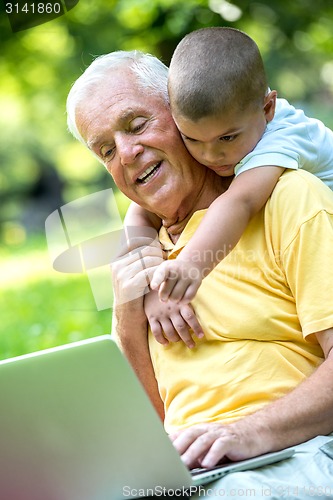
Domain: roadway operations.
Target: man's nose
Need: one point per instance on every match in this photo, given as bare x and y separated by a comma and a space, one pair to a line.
129, 148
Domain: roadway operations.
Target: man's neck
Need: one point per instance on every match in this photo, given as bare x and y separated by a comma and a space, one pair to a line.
212, 188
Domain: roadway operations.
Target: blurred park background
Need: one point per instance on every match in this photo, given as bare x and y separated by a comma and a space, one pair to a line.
43, 167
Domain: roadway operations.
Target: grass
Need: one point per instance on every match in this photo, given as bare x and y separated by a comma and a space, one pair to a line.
41, 308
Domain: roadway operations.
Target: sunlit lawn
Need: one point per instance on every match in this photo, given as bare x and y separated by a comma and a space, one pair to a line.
41, 308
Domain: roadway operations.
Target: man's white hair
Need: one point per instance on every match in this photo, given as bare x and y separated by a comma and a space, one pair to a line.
151, 73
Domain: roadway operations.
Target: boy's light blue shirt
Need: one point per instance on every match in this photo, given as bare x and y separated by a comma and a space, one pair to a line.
292, 140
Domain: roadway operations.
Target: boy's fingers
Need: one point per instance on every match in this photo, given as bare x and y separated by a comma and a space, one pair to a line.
159, 277
178, 290
191, 319
165, 290
170, 332
183, 331
190, 293
158, 332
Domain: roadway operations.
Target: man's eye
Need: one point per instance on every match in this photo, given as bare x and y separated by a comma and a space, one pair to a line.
107, 151
137, 125
137, 128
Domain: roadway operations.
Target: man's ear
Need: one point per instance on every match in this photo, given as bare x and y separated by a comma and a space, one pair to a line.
269, 105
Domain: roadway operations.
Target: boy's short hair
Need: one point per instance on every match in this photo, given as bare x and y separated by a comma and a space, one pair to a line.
214, 70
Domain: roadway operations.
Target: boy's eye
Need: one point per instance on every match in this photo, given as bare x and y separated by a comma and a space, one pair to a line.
188, 139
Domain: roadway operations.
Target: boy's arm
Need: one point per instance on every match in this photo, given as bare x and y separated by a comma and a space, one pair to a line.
218, 233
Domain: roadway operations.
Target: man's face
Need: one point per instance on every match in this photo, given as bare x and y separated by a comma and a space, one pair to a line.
136, 138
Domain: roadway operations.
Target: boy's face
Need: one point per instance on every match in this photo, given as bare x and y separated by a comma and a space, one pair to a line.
220, 142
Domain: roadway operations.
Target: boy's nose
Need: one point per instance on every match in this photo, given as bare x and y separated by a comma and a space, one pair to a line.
212, 155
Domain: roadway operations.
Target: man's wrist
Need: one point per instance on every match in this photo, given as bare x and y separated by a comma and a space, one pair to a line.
130, 316
256, 432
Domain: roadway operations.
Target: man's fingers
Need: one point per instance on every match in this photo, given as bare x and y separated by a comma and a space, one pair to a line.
140, 253
204, 445
132, 243
215, 453
132, 281
192, 457
191, 444
136, 271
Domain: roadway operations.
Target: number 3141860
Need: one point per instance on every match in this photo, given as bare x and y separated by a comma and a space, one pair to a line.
33, 8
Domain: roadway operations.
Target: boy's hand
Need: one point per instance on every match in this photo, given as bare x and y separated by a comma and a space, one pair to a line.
177, 280
171, 322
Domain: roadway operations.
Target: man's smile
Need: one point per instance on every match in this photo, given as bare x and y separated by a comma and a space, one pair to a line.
148, 173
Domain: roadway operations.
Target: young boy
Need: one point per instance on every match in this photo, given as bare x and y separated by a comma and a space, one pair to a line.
233, 124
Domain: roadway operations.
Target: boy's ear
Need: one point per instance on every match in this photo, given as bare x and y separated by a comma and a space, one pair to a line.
269, 105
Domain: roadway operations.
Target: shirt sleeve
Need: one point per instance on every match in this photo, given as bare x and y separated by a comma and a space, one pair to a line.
277, 159
309, 272
291, 140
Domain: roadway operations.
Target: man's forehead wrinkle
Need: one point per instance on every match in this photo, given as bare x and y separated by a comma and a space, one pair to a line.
126, 115
85, 122
91, 119
110, 108
98, 136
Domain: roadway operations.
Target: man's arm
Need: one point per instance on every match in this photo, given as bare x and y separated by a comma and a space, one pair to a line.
131, 275
137, 216
302, 414
130, 331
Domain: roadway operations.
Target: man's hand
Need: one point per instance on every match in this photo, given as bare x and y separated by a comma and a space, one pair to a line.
171, 322
205, 445
133, 269
299, 415
177, 280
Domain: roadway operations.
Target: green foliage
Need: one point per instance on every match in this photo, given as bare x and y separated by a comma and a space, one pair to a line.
40, 64
41, 308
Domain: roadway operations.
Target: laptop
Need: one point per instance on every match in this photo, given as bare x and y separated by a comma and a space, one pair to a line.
76, 424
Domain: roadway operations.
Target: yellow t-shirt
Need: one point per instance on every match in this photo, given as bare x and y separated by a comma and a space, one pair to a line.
258, 309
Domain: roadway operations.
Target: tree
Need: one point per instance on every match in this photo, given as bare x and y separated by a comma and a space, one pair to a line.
39, 65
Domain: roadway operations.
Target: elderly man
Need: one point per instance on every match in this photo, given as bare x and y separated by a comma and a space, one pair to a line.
261, 379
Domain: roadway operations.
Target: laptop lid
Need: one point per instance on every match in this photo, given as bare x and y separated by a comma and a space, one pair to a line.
76, 424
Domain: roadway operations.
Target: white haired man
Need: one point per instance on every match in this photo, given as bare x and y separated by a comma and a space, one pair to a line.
261, 378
